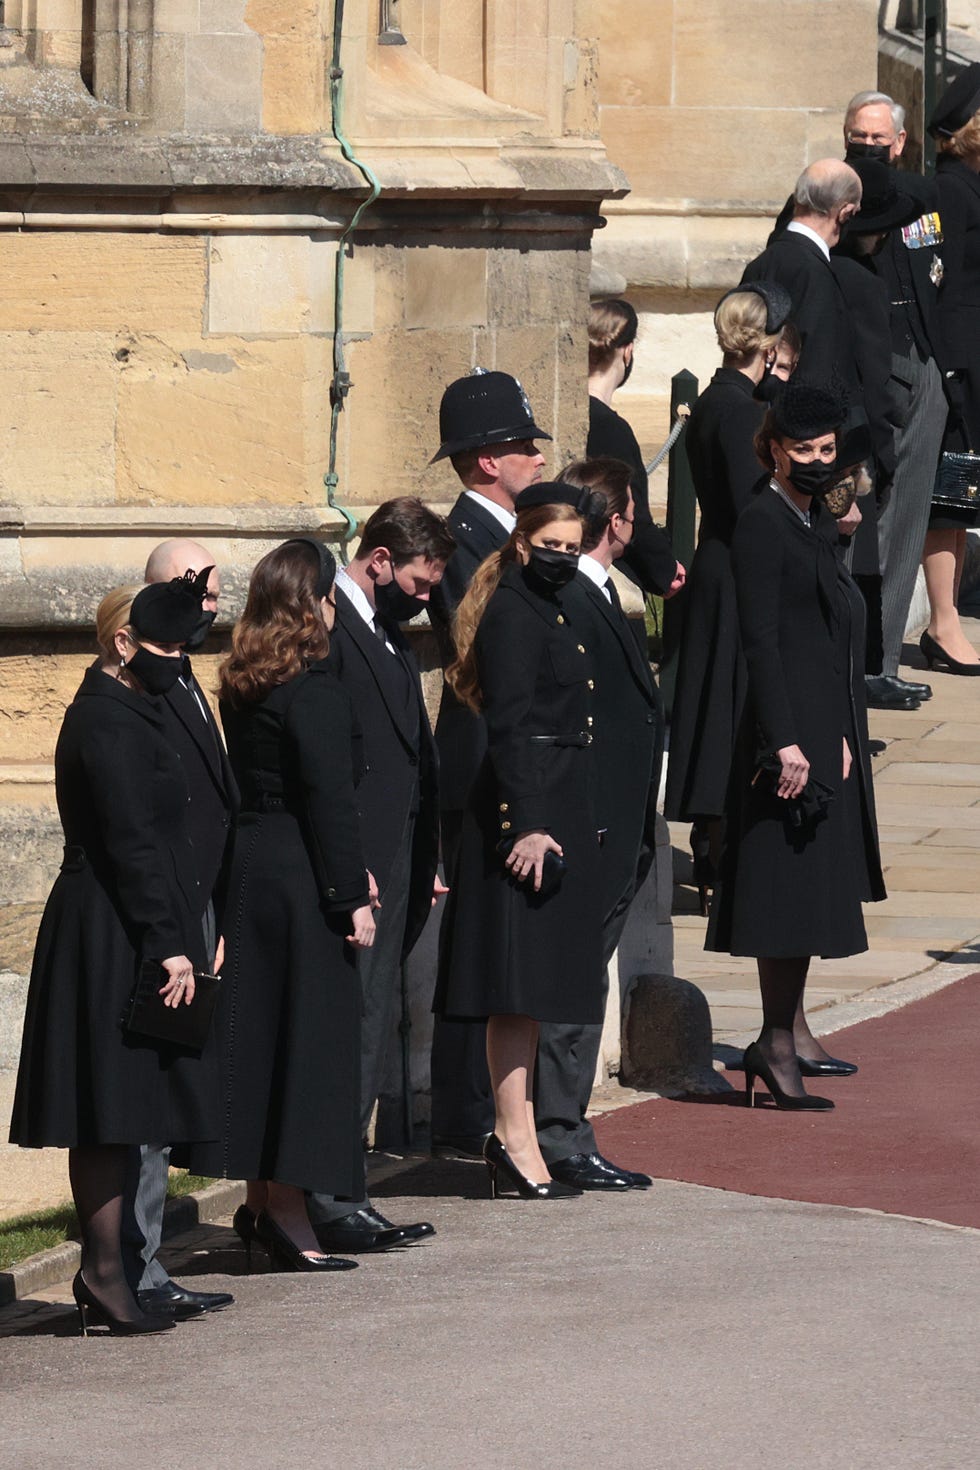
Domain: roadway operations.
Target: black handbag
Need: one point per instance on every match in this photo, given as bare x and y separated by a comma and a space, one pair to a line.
958, 481
183, 1025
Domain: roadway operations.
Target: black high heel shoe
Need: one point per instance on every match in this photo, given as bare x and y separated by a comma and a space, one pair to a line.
93, 1313
934, 653
830, 1067
243, 1224
499, 1161
285, 1255
756, 1065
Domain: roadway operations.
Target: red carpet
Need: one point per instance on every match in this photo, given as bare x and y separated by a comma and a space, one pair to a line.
903, 1137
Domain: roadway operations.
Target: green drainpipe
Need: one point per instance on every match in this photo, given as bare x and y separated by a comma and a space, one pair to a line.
340, 384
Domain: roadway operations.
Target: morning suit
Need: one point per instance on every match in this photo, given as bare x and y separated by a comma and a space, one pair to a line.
628, 719
398, 801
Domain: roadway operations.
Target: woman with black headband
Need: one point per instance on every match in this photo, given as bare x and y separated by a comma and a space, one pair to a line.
710, 689
801, 844
299, 904
125, 896
523, 927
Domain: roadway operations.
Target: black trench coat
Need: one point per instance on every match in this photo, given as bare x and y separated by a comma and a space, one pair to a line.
710, 690
128, 891
508, 951
784, 893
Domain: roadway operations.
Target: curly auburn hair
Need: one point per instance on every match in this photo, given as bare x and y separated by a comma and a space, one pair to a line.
281, 631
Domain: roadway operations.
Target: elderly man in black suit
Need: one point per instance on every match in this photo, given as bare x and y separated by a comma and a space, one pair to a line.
403, 550
193, 733
489, 434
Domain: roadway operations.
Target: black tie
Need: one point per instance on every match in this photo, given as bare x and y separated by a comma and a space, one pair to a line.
379, 629
610, 587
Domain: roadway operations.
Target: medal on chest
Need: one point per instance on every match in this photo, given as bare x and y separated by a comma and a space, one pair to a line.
926, 232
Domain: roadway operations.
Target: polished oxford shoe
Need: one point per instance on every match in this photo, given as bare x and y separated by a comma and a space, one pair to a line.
832, 1067
458, 1145
592, 1171
180, 1303
882, 694
907, 687
365, 1230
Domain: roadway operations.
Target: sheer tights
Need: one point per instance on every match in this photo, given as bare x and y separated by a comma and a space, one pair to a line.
98, 1176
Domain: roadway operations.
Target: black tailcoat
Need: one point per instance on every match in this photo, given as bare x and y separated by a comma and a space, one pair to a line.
290, 1006
400, 762
461, 736
785, 893
649, 560
508, 951
628, 715
128, 891
710, 691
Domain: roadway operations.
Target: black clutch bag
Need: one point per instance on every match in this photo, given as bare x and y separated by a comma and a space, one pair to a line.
958, 481
183, 1025
553, 869
804, 810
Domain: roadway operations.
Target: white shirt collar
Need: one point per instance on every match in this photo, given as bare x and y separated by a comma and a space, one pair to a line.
795, 228
506, 518
596, 574
356, 594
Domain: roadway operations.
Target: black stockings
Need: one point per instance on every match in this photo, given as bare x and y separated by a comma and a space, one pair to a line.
98, 1177
782, 983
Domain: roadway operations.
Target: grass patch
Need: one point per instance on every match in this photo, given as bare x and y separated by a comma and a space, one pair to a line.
25, 1235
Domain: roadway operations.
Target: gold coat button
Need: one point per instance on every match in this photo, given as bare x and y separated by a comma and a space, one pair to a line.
504, 807
560, 618
589, 720
591, 683
505, 826
581, 647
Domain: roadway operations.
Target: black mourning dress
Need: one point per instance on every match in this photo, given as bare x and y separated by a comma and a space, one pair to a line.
291, 1003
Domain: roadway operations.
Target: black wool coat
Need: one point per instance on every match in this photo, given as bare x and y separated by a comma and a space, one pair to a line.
400, 760
506, 950
649, 560
710, 691
627, 736
959, 294
461, 737
128, 891
290, 1007
785, 892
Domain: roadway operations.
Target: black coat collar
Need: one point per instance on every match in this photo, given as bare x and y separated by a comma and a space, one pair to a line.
725, 377
548, 605
98, 685
370, 649
957, 169
617, 621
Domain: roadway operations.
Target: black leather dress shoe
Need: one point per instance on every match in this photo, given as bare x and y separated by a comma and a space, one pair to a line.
882, 694
366, 1230
832, 1067
458, 1145
180, 1303
592, 1171
907, 687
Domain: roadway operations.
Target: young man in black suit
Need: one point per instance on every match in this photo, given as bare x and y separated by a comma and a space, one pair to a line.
403, 551
193, 732
488, 433
627, 748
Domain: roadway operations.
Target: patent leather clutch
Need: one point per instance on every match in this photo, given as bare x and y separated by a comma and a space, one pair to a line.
187, 1026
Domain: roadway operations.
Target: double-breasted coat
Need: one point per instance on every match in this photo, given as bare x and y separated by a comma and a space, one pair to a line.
290, 1008
786, 892
507, 950
128, 891
710, 689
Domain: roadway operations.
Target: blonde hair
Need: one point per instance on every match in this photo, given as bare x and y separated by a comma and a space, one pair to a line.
740, 325
111, 615
965, 142
612, 323
462, 675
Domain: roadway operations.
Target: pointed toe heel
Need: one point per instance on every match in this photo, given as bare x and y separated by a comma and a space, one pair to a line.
756, 1066
499, 1162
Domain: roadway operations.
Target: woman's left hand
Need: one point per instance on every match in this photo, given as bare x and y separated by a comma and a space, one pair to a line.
180, 981
848, 762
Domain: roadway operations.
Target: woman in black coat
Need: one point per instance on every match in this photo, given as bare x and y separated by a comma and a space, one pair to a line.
125, 895
299, 904
517, 949
710, 689
957, 128
793, 876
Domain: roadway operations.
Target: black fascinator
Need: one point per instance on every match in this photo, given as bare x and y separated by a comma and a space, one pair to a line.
328, 565
168, 612
589, 504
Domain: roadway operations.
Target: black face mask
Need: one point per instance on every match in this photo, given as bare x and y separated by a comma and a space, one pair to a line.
768, 388
397, 605
880, 151
156, 672
551, 569
628, 368
815, 478
201, 630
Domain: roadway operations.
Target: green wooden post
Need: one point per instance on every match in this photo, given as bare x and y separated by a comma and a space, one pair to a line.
681, 506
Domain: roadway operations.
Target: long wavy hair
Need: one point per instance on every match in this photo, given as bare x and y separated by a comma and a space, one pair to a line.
281, 631
462, 675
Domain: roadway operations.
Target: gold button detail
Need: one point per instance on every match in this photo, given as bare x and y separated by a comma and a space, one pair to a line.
560, 618
504, 807
591, 683
589, 720
581, 647
505, 826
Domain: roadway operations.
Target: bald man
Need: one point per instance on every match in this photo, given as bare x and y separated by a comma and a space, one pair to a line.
213, 800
